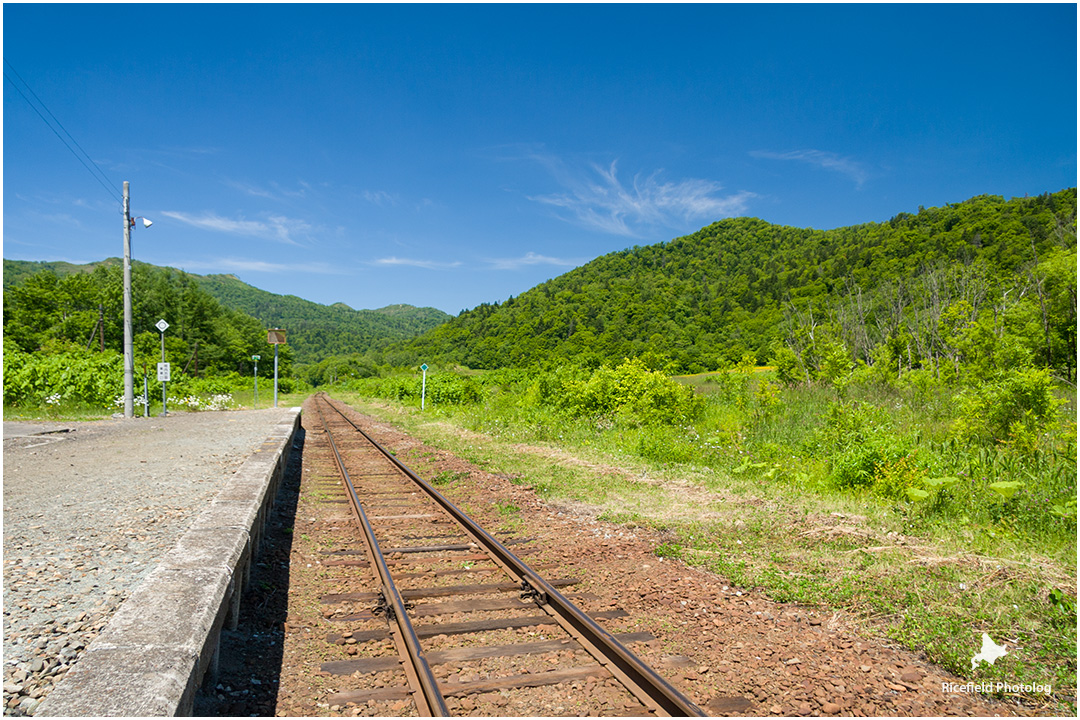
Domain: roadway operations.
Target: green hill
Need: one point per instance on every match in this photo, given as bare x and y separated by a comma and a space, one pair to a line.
745, 286
318, 331
314, 331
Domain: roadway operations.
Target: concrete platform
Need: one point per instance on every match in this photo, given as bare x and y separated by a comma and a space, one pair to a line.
162, 643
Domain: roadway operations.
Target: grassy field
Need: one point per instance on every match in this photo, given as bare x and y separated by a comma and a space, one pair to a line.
754, 490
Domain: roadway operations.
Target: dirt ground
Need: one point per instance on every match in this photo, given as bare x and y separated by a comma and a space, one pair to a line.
729, 649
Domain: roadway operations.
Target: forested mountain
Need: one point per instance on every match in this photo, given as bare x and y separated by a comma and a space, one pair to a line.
79, 311
313, 331
911, 291
318, 331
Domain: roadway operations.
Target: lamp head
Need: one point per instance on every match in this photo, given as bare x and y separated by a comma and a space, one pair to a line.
146, 223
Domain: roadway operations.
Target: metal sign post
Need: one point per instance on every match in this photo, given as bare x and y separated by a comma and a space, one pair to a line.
423, 386
164, 372
145, 391
255, 359
275, 337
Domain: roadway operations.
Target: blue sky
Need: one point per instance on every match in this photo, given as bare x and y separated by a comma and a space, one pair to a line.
447, 156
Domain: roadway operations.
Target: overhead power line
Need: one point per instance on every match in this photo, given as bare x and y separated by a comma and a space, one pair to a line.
88, 162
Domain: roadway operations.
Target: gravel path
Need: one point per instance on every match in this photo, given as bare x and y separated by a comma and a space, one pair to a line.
89, 510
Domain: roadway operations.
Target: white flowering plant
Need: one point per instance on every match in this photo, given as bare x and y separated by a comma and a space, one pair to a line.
118, 401
219, 401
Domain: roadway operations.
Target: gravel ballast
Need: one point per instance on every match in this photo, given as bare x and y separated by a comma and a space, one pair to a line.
90, 508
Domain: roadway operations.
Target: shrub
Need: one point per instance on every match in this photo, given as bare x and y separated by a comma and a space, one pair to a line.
730, 385
865, 452
634, 393
836, 364
397, 387
550, 388
214, 385
1015, 409
84, 377
451, 389
442, 388
789, 370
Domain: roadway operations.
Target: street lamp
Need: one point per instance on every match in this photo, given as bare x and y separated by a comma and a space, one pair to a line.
129, 355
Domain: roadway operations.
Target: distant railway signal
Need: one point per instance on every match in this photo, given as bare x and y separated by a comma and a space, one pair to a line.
275, 337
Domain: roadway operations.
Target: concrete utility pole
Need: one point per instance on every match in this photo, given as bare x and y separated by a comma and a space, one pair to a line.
129, 355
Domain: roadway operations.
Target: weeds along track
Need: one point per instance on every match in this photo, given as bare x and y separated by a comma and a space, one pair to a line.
405, 616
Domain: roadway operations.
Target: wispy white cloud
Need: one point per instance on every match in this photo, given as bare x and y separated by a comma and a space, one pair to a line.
411, 262
248, 189
190, 150
62, 219
220, 224
531, 258
379, 197
260, 266
853, 169
275, 227
274, 191
255, 266
302, 192
527, 259
286, 229
599, 199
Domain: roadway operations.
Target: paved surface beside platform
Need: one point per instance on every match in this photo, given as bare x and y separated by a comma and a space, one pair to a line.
89, 509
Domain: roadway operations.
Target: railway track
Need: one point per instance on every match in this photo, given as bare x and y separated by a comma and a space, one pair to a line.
418, 630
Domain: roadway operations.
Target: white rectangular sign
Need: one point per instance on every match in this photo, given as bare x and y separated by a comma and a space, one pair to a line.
163, 372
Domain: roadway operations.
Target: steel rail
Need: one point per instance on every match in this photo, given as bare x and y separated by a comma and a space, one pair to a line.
429, 700
640, 679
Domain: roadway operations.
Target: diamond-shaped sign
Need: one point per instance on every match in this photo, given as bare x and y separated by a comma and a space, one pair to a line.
424, 367
162, 326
